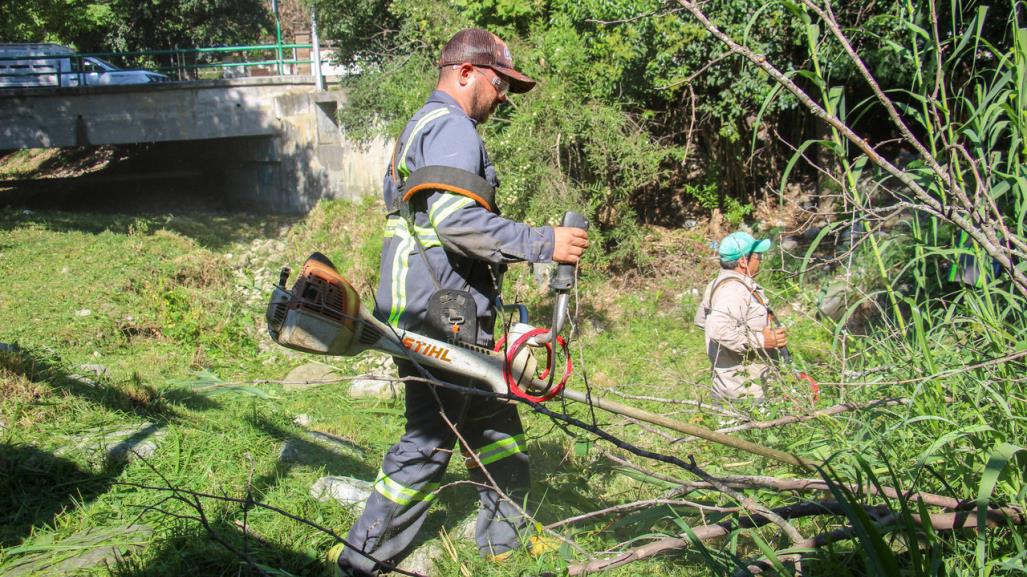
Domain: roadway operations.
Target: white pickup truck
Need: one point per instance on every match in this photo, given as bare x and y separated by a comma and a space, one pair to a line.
27, 65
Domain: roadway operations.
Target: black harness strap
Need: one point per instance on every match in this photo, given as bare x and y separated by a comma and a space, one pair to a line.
455, 180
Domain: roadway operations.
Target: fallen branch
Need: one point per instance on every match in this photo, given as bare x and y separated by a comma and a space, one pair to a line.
698, 404
940, 522
635, 506
762, 482
797, 485
787, 420
759, 511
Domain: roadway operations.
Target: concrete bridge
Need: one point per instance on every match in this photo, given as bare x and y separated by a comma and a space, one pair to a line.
275, 138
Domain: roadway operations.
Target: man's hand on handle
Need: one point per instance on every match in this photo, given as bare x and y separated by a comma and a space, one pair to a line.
774, 338
568, 244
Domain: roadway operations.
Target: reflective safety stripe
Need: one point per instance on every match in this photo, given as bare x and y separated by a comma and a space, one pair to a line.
397, 227
401, 495
400, 268
404, 172
447, 205
501, 449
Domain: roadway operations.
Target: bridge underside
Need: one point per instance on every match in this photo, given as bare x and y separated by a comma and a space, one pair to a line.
286, 150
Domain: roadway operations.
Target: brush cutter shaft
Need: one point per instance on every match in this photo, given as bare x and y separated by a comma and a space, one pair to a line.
322, 314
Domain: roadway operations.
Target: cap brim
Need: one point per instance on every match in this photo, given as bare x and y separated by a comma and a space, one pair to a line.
762, 246
519, 83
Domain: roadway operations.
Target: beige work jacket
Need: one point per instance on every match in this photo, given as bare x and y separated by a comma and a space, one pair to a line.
734, 323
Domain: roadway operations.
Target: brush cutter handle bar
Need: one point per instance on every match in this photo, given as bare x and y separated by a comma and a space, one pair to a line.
562, 282
514, 350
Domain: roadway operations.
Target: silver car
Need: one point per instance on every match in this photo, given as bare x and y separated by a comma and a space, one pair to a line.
25, 65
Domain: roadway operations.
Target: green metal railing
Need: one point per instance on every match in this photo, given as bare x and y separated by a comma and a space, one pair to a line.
179, 63
185, 63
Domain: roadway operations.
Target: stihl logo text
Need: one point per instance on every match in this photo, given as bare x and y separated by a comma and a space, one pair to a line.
440, 353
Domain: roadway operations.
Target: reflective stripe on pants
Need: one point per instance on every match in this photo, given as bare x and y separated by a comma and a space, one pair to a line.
412, 469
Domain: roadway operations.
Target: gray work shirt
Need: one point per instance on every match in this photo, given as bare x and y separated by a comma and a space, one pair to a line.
466, 246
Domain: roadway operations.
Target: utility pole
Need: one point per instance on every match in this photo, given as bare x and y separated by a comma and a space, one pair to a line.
278, 34
315, 50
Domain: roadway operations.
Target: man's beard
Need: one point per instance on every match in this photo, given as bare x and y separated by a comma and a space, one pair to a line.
482, 107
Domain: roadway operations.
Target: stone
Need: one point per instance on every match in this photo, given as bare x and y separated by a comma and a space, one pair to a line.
93, 547
86, 381
789, 243
334, 442
302, 420
310, 375
118, 446
381, 388
690, 224
83, 313
314, 447
347, 491
99, 371
832, 300
422, 560
466, 528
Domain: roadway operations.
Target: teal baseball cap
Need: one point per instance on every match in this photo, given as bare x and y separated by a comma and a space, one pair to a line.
739, 244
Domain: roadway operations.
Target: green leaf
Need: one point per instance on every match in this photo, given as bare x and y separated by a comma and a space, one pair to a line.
640, 476
796, 156
582, 446
997, 462
813, 246
769, 553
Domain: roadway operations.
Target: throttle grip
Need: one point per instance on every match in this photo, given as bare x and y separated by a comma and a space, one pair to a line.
563, 279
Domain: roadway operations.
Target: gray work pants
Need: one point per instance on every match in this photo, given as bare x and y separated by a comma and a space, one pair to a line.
413, 467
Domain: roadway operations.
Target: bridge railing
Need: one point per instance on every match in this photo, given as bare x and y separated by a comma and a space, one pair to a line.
220, 61
75, 69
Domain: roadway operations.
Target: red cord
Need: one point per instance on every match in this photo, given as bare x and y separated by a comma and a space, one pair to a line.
515, 349
814, 386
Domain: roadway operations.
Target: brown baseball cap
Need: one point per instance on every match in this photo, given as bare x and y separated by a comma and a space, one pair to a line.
483, 48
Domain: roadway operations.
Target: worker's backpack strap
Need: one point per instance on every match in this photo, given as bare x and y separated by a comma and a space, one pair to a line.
724, 281
705, 308
450, 179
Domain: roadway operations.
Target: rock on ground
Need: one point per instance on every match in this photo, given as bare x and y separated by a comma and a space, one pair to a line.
310, 375
422, 560
315, 447
118, 446
347, 491
381, 388
99, 371
93, 547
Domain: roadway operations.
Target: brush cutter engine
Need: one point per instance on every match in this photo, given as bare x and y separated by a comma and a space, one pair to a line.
322, 314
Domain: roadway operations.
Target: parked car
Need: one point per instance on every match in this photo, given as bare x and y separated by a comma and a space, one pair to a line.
54, 65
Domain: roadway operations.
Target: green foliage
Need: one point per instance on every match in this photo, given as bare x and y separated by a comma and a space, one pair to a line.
945, 346
92, 26
80, 23
170, 23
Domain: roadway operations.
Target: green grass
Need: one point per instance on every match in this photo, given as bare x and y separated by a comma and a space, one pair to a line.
175, 300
